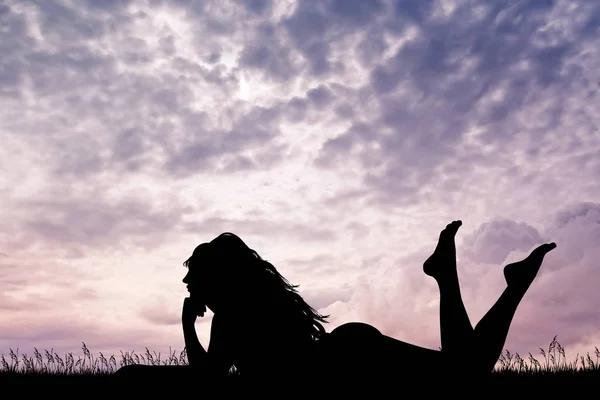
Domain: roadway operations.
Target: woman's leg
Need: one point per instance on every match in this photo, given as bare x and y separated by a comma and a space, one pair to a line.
492, 330
483, 345
456, 331
363, 349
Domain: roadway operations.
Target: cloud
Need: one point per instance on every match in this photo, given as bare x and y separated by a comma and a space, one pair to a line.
79, 222
62, 332
321, 299
492, 242
337, 137
452, 77
251, 227
269, 53
577, 213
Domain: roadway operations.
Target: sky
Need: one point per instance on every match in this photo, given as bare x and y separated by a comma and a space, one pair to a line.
337, 138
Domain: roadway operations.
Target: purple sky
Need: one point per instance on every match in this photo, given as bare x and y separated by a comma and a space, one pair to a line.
337, 138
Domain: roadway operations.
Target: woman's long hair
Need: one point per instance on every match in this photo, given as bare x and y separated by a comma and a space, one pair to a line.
265, 282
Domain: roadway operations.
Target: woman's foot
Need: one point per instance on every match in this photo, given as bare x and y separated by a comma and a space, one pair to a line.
521, 273
443, 260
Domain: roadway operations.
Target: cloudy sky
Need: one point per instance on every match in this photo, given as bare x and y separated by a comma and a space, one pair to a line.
336, 138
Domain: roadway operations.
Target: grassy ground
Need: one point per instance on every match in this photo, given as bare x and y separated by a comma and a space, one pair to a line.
550, 368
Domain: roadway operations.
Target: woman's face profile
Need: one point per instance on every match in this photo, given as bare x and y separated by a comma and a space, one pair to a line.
198, 276
204, 284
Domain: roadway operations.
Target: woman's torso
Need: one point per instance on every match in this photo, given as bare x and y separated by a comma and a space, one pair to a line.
267, 345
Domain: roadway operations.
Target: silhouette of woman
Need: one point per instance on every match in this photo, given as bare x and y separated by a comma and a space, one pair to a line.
263, 327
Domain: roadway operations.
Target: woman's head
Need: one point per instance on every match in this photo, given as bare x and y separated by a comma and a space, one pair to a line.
219, 267
227, 273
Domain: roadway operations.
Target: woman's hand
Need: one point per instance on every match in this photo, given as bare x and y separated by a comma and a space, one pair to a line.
191, 310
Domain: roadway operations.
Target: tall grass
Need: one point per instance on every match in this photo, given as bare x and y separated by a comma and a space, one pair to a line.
51, 363
552, 361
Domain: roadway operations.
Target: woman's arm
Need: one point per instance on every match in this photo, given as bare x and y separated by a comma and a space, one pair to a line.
216, 361
196, 354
